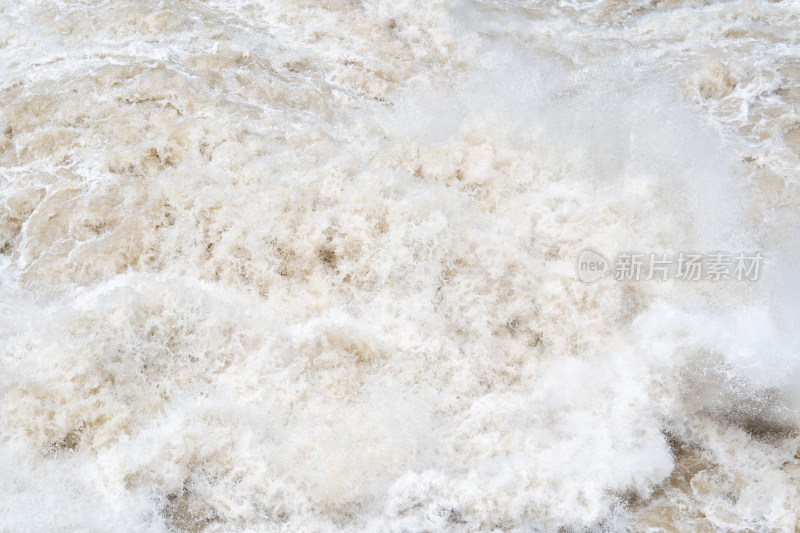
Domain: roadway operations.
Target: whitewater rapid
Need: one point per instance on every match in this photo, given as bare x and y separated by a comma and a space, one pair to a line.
310, 265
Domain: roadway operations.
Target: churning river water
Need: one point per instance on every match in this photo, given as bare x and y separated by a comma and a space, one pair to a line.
310, 265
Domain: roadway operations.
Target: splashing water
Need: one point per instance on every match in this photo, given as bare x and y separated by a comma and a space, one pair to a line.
309, 266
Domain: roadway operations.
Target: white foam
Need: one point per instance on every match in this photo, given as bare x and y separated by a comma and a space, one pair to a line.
280, 267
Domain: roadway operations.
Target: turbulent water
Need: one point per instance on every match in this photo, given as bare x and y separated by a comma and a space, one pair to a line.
310, 265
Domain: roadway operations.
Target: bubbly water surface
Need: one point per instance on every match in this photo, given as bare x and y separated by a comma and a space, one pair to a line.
309, 265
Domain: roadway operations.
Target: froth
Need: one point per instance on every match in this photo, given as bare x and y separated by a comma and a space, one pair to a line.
292, 267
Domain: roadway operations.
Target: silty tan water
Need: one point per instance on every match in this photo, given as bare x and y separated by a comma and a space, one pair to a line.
310, 266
